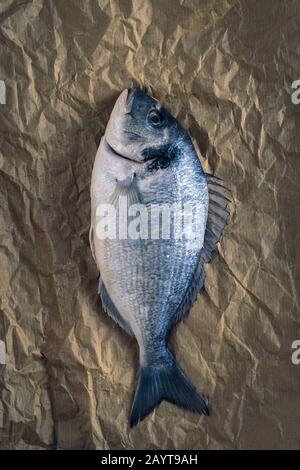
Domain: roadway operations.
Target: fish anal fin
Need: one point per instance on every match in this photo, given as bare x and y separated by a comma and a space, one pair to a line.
110, 308
190, 297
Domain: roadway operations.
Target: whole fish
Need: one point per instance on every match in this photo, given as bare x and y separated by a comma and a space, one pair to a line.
156, 218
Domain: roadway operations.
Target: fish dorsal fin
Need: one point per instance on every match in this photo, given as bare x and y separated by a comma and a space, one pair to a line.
216, 221
110, 308
217, 217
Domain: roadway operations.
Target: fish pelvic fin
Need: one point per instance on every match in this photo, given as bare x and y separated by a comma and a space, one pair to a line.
165, 381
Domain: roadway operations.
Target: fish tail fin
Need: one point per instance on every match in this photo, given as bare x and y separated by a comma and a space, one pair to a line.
165, 381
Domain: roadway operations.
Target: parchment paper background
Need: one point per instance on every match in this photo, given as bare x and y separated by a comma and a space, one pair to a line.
225, 68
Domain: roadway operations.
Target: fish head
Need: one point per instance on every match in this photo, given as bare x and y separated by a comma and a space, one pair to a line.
139, 122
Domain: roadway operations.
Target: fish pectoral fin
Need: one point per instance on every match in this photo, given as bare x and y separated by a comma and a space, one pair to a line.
110, 308
126, 188
217, 217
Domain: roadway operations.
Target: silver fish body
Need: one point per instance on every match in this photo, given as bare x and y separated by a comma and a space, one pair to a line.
149, 280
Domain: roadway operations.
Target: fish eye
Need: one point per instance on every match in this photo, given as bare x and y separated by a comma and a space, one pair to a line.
155, 118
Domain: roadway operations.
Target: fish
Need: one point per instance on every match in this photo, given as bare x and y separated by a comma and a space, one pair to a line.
147, 170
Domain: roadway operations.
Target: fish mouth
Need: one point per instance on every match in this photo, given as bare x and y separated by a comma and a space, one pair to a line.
130, 95
138, 97
141, 93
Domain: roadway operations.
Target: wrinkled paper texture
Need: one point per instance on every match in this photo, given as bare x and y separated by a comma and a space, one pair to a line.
225, 68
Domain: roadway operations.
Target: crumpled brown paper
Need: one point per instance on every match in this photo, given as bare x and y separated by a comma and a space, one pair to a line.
225, 69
